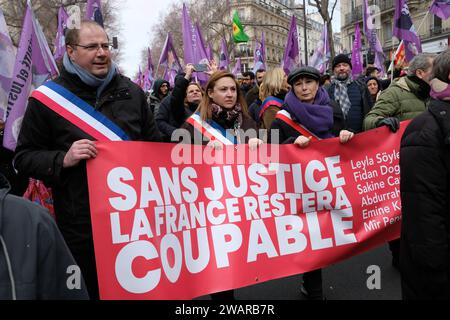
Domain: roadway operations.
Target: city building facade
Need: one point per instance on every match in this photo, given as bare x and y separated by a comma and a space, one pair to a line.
273, 18
434, 32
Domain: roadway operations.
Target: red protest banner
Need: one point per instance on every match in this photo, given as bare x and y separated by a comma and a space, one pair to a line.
167, 225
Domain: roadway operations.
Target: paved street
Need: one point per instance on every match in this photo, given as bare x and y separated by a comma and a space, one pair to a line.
343, 281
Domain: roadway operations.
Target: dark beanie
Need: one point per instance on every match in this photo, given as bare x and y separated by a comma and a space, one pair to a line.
342, 58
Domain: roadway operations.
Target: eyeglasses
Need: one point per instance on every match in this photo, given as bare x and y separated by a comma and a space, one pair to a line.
95, 47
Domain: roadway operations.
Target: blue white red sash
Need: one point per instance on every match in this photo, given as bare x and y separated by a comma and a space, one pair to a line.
78, 112
284, 116
270, 101
211, 129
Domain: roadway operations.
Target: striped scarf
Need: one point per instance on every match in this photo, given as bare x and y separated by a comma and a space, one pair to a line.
341, 95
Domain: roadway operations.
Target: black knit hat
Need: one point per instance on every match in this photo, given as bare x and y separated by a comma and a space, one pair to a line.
307, 72
342, 58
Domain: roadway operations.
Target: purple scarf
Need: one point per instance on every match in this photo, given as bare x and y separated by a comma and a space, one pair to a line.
440, 90
316, 117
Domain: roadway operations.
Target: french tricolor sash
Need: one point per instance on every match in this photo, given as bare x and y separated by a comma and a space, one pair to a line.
284, 116
78, 112
211, 129
270, 101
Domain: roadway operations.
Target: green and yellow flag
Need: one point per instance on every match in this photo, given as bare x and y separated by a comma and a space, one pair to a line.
238, 30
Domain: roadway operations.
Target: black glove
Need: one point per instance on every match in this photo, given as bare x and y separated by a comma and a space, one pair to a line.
392, 122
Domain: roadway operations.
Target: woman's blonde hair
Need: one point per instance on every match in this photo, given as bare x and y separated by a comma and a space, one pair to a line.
272, 83
203, 107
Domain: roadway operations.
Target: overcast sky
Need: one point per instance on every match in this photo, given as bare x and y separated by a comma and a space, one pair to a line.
137, 18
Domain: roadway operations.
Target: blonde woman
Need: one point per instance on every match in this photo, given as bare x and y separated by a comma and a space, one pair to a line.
272, 92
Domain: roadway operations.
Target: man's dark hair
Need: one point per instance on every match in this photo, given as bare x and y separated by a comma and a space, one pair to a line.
441, 66
249, 74
72, 36
369, 70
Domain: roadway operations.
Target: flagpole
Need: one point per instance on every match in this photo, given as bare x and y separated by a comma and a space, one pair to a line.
418, 34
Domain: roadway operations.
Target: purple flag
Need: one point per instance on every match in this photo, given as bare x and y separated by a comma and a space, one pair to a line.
34, 65
202, 50
372, 38
259, 57
201, 55
321, 55
290, 58
194, 49
150, 66
139, 77
441, 8
209, 52
224, 61
7, 59
94, 11
237, 67
147, 81
404, 30
356, 53
169, 60
60, 42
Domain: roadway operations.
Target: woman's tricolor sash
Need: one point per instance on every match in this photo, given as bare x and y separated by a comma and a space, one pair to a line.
270, 101
78, 112
211, 129
284, 116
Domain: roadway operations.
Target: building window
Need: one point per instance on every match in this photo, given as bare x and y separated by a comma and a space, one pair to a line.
387, 31
437, 25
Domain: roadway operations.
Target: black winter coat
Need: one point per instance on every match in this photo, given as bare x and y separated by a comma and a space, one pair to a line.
46, 137
425, 194
366, 99
38, 255
172, 112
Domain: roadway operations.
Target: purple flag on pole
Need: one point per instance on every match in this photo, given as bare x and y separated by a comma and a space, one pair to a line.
34, 65
371, 34
60, 42
321, 55
139, 77
259, 57
94, 11
194, 49
147, 81
441, 8
404, 30
201, 54
7, 59
209, 52
356, 53
150, 66
291, 59
169, 60
224, 61
237, 67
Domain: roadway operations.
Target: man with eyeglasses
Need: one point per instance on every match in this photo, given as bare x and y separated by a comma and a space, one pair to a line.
57, 139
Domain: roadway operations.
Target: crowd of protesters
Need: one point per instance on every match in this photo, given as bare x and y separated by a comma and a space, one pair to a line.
302, 106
